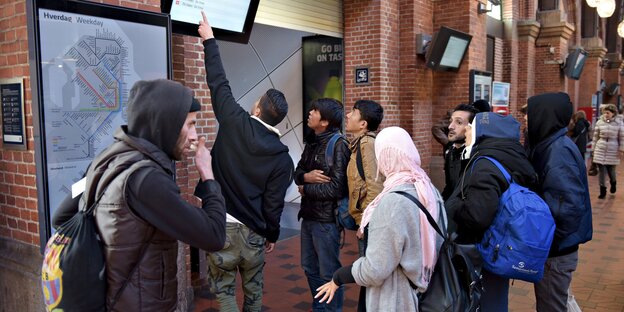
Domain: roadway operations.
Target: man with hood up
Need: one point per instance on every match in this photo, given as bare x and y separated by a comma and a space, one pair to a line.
141, 213
254, 169
473, 204
563, 186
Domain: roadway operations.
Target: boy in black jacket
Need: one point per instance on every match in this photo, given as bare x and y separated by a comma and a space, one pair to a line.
254, 169
322, 183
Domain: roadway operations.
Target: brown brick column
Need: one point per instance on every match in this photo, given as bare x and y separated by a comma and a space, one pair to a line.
592, 72
371, 39
527, 34
611, 75
551, 48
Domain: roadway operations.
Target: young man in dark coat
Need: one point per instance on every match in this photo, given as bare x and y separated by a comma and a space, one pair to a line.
321, 186
140, 208
254, 169
461, 117
474, 203
563, 186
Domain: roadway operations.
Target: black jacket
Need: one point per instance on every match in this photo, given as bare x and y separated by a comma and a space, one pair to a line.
249, 161
320, 200
453, 168
474, 203
580, 135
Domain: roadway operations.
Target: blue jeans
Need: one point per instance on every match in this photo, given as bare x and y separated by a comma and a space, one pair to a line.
551, 293
495, 297
320, 251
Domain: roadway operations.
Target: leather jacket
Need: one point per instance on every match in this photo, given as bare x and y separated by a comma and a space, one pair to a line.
319, 201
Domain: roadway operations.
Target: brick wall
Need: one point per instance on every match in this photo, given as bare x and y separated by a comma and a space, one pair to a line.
372, 40
18, 195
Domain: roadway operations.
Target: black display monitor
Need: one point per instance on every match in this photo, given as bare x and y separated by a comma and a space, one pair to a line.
574, 63
447, 49
231, 20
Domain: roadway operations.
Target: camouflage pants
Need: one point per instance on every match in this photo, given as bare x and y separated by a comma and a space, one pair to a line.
243, 252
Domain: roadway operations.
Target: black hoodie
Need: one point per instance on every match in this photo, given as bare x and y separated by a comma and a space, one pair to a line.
249, 160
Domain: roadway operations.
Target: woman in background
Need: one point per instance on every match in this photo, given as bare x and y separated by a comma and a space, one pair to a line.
608, 146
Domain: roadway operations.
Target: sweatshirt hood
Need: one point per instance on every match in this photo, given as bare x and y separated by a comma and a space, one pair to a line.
493, 125
157, 110
498, 136
547, 113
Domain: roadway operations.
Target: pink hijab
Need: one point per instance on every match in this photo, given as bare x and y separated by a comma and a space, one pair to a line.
399, 161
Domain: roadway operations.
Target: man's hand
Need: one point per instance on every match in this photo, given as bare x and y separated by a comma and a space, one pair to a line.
315, 176
203, 160
268, 247
300, 189
205, 31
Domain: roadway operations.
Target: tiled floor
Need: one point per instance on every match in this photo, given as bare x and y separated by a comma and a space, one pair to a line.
598, 283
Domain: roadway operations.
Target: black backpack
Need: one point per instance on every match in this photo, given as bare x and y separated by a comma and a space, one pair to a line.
455, 284
343, 217
73, 274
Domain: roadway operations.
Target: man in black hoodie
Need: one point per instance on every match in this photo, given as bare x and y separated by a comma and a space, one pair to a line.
254, 170
563, 186
141, 213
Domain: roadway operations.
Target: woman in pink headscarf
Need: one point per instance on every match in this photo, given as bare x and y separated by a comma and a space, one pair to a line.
402, 245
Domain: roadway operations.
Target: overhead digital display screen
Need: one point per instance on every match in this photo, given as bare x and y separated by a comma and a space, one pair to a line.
231, 20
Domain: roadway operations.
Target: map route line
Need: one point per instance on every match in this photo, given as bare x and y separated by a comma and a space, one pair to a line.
94, 91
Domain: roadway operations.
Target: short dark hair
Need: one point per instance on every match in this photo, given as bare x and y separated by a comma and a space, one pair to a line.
370, 111
273, 107
331, 110
481, 105
467, 108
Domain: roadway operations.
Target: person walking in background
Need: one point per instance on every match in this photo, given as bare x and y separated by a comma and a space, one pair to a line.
608, 147
141, 214
402, 245
364, 183
474, 203
580, 133
254, 168
321, 186
563, 186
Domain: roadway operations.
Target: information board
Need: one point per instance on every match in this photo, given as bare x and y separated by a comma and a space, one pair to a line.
12, 102
89, 56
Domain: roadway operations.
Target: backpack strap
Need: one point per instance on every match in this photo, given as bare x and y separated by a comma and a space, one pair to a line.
433, 223
498, 165
429, 218
358, 158
329, 150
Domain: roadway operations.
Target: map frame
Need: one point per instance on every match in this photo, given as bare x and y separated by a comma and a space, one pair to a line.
143, 19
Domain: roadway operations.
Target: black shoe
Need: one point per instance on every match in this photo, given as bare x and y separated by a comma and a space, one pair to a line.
613, 189
603, 192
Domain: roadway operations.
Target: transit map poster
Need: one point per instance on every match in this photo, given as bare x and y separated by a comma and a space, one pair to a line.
88, 63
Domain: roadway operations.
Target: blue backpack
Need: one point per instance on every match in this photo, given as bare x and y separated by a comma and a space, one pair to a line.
343, 217
517, 243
